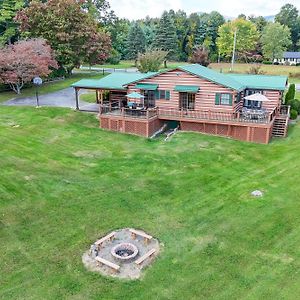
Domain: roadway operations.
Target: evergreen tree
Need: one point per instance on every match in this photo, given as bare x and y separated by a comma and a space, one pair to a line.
136, 41
166, 37
8, 27
290, 95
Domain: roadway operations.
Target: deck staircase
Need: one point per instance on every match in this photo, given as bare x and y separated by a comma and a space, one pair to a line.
281, 122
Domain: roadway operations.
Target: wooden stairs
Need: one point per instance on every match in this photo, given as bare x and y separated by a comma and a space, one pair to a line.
281, 123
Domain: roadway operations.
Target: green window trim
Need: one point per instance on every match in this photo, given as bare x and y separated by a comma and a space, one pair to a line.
218, 99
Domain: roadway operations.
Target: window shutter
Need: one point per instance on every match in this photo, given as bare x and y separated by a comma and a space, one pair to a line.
230, 99
167, 95
157, 95
217, 99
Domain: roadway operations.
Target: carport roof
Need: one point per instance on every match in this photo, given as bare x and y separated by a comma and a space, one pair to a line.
114, 81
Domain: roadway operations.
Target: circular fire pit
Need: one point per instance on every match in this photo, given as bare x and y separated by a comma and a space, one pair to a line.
124, 251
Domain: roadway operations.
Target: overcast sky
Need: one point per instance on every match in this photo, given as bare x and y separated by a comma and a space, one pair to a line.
137, 9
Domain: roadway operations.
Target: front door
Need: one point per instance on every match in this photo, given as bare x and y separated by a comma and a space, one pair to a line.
187, 101
149, 100
252, 104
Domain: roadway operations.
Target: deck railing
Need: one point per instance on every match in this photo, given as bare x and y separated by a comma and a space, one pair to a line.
175, 114
139, 113
285, 110
215, 116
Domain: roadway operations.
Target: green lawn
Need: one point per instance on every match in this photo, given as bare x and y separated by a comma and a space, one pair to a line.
225, 67
267, 69
126, 64
64, 183
49, 87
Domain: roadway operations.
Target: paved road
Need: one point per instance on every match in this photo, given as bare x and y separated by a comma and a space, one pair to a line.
109, 70
62, 98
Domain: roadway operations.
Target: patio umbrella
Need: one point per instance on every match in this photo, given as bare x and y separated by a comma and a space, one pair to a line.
257, 97
135, 95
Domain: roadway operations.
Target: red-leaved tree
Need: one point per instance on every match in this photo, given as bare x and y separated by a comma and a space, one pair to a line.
72, 33
200, 56
21, 62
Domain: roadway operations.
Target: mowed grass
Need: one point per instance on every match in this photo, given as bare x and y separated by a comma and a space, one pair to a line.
49, 87
64, 183
267, 69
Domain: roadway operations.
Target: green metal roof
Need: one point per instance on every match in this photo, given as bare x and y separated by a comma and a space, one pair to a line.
186, 88
147, 86
114, 81
213, 76
118, 81
264, 82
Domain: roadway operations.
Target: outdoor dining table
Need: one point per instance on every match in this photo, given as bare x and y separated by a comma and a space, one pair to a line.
254, 113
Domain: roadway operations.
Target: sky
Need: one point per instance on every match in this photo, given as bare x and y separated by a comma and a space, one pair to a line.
138, 9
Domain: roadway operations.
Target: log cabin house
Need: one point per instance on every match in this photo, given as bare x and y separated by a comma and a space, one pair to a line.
195, 98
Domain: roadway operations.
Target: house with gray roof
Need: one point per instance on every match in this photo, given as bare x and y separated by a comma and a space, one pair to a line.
290, 58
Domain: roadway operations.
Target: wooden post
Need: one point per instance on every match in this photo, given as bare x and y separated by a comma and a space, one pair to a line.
77, 98
97, 96
101, 97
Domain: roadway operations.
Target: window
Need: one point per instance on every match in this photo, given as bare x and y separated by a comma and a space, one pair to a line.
223, 99
163, 94
187, 100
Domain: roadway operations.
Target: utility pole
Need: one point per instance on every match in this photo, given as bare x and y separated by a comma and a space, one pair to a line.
233, 53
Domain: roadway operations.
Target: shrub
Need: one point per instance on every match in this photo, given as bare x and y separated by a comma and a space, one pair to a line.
114, 58
266, 62
295, 104
297, 64
276, 63
151, 60
294, 114
256, 70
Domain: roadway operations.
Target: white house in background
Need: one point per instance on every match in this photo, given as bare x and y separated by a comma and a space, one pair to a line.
291, 58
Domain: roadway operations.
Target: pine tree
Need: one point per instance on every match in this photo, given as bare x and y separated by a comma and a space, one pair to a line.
166, 37
8, 27
136, 41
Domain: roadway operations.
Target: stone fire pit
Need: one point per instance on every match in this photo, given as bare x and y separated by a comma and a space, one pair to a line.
124, 251
121, 253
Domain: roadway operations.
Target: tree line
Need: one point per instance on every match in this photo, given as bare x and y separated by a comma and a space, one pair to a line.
180, 34
88, 31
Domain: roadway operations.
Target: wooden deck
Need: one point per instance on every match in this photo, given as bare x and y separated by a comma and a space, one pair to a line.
186, 115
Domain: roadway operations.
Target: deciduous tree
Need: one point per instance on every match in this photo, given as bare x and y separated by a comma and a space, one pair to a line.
275, 39
72, 33
200, 56
289, 16
21, 62
246, 37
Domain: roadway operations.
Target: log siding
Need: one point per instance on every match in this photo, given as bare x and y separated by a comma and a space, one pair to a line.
205, 101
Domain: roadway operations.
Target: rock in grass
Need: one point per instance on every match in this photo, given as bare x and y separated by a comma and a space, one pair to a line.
257, 193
